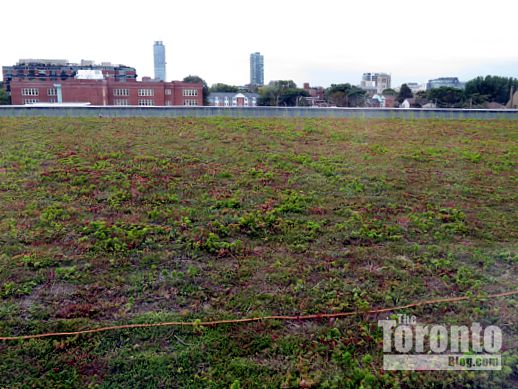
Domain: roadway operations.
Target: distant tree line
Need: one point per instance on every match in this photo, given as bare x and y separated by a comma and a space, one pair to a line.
345, 95
477, 93
490, 89
219, 87
282, 93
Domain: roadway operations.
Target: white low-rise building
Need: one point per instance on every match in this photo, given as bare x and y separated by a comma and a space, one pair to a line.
222, 99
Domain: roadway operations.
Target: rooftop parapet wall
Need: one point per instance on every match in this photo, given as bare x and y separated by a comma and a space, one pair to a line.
256, 112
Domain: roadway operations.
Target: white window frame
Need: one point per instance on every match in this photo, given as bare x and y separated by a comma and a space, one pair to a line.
190, 92
30, 101
120, 102
121, 92
52, 92
146, 102
30, 92
190, 102
168, 92
146, 92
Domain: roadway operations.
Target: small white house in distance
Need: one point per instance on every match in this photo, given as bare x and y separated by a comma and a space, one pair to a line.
405, 104
416, 103
220, 99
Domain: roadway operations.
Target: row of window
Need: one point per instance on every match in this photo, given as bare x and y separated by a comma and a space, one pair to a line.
30, 92
121, 92
233, 104
36, 92
141, 102
32, 101
146, 92
116, 92
142, 92
149, 102
226, 102
190, 92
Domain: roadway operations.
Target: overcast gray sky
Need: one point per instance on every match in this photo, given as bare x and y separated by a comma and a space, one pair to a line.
323, 42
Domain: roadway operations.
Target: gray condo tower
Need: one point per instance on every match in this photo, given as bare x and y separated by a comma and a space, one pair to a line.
256, 69
159, 58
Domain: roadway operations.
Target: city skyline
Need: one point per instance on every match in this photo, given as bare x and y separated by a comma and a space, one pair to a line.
406, 40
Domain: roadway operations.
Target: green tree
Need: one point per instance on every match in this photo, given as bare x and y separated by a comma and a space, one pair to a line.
446, 97
283, 84
281, 93
219, 87
345, 95
292, 96
195, 80
4, 98
389, 92
404, 93
490, 89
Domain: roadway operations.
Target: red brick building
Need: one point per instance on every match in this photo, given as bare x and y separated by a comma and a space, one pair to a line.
315, 91
106, 92
316, 95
